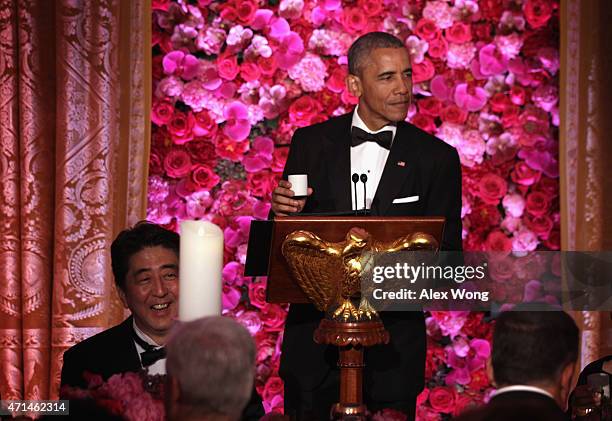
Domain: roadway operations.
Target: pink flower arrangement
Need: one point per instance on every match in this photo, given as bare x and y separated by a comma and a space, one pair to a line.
233, 80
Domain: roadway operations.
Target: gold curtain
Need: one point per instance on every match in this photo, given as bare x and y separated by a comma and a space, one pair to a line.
74, 135
586, 150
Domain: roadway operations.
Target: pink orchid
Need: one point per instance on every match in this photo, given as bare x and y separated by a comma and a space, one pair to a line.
231, 297
261, 209
260, 154
279, 28
542, 157
416, 48
210, 77
261, 19
237, 126
289, 50
471, 98
184, 65
442, 87
492, 62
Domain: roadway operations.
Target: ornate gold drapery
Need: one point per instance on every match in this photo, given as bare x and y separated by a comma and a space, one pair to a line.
74, 130
586, 151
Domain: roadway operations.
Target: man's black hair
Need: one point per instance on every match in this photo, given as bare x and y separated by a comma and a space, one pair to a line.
533, 347
132, 240
365, 44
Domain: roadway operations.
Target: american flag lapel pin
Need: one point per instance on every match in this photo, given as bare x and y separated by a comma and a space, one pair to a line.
401, 163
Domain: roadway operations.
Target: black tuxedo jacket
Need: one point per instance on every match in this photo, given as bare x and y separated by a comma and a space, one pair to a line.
112, 352
418, 164
519, 405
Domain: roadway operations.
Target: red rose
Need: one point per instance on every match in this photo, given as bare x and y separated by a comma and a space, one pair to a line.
499, 102
354, 20
427, 29
549, 186
482, 32
540, 225
245, 10
177, 163
228, 11
483, 217
438, 47
273, 316
273, 387
537, 12
510, 116
155, 164
537, 203
491, 9
162, 112
204, 177
279, 158
202, 151
459, 33
424, 122
249, 71
498, 242
553, 242
423, 71
231, 149
257, 294
501, 269
267, 66
157, 68
336, 80
371, 7
181, 127
160, 5
464, 402
535, 121
524, 175
453, 114
302, 111
491, 188
480, 379
430, 106
261, 183
204, 125
227, 66
442, 399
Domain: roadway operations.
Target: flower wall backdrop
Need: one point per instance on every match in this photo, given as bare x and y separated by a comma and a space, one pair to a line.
234, 79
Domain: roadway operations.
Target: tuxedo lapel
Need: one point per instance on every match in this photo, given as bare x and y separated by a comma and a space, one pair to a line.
400, 164
126, 357
338, 157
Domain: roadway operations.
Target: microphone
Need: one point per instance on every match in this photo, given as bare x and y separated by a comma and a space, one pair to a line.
355, 179
364, 179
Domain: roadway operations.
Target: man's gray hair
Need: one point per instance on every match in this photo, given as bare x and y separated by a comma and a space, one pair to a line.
213, 361
363, 46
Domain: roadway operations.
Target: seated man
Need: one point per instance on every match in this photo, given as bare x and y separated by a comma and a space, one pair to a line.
533, 364
211, 366
145, 261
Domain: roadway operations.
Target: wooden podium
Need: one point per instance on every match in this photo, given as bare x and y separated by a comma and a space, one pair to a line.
349, 336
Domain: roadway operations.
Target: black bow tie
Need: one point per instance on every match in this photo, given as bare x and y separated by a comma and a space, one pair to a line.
151, 353
383, 139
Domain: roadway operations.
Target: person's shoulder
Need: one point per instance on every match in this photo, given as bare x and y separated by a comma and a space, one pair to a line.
97, 343
328, 126
427, 142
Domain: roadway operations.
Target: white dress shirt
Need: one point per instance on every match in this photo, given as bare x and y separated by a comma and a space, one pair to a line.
159, 367
368, 158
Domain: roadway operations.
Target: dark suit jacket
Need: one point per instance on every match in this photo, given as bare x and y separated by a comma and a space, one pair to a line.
519, 405
431, 170
113, 351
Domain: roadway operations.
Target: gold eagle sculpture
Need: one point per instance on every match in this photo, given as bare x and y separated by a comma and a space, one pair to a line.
330, 273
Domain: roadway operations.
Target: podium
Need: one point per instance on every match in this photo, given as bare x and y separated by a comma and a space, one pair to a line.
291, 279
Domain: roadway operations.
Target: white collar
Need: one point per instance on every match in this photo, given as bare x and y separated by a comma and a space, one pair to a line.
144, 336
522, 388
358, 122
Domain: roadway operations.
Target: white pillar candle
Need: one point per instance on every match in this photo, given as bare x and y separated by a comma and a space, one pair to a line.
200, 268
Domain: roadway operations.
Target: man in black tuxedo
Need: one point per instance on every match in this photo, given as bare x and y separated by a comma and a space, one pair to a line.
145, 262
409, 173
533, 366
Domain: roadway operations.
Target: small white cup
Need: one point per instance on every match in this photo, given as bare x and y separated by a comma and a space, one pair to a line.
299, 185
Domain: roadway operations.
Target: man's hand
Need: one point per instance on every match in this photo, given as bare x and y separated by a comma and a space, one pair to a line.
283, 202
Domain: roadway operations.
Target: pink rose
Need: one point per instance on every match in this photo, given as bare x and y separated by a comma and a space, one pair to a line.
177, 163
181, 127
273, 387
245, 10
430, 106
524, 240
541, 225
162, 112
279, 158
514, 204
204, 177
262, 183
249, 71
227, 66
371, 7
491, 188
538, 12
335, 81
438, 47
524, 175
537, 203
427, 29
354, 20
442, 399
257, 294
204, 125
458, 33
453, 114
423, 71
273, 316
424, 122
498, 242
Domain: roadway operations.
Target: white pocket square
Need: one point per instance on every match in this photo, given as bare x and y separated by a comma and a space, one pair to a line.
407, 199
